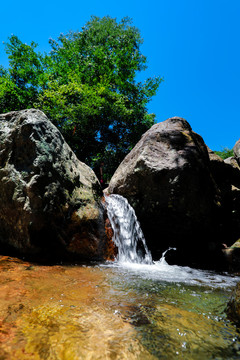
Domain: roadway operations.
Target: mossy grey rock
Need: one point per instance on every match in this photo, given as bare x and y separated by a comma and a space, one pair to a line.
49, 200
168, 180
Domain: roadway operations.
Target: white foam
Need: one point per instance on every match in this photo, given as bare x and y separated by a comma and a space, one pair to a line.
128, 235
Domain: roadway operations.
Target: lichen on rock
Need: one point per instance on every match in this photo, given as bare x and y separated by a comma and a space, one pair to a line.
47, 196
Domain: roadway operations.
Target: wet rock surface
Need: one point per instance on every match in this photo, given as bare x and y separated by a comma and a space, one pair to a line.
49, 200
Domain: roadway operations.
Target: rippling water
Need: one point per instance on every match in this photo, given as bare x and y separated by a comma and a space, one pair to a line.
161, 271
114, 311
133, 308
179, 312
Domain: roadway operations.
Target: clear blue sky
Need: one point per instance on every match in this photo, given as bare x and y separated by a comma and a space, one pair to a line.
193, 44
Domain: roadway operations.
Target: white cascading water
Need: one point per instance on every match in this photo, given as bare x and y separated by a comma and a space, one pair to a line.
134, 256
128, 235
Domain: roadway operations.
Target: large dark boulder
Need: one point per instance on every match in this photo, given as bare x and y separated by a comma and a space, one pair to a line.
49, 200
234, 178
167, 178
232, 253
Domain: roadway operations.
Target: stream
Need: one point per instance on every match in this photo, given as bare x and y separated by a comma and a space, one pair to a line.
113, 311
132, 308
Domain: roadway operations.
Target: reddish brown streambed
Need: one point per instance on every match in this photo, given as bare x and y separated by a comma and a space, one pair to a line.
56, 312
83, 312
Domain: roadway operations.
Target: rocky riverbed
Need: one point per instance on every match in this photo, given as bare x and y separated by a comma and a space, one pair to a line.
59, 312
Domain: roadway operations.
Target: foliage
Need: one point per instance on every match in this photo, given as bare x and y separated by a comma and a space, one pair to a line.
20, 85
87, 86
225, 153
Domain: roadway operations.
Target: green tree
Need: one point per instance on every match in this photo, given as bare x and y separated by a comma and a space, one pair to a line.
87, 86
224, 153
25, 78
9, 93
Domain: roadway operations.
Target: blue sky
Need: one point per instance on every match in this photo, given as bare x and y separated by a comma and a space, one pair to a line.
193, 44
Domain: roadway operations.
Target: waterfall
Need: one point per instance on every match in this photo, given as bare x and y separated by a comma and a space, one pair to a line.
128, 235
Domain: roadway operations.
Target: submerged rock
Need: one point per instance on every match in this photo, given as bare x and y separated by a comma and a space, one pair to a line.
233, 307
167, 179
49, 200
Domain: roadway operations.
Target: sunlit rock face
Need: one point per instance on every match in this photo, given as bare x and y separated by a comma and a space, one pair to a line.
49, 200
236, 151
168, 180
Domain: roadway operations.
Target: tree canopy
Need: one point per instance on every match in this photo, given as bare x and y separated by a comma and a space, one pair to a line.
87, 86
